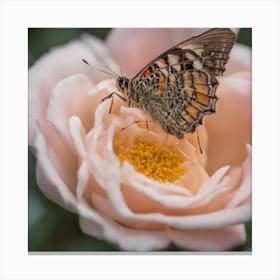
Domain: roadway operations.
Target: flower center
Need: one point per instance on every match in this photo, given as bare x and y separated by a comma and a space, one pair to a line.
163, 164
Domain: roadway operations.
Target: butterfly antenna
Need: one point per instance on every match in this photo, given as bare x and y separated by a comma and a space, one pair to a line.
121, 72
112, 70
87, 63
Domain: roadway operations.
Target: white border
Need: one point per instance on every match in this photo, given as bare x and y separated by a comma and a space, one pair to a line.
17, 16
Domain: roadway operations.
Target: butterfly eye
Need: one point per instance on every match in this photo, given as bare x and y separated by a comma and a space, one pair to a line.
122, 82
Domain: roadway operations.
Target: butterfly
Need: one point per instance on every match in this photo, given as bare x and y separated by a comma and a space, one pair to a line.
178, 88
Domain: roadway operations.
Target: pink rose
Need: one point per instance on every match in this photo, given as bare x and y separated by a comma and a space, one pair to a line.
135, 187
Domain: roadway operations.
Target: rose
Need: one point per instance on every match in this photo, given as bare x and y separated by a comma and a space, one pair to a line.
82, 152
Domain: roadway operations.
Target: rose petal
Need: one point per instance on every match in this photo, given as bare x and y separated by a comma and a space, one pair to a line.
83, 177
48, 179
240, 60
209, 240
70, 97
230, 127
167, 200
103, 206
65, 102
218, 219
244, 191
95, 224
78, 134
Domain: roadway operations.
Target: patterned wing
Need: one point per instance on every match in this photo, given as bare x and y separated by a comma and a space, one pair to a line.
208, 51
184, 104
213, 47
178, 87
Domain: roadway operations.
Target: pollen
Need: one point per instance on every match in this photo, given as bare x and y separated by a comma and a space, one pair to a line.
164, 164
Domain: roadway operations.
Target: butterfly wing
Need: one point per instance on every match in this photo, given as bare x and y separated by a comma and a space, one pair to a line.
181, 108
211, 49
178, 87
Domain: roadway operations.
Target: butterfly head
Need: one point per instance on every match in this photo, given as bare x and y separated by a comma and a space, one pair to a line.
122, 84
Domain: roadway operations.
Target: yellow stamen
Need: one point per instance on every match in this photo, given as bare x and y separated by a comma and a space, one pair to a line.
159, 163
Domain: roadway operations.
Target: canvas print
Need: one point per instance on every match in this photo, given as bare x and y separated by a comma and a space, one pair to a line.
139, 139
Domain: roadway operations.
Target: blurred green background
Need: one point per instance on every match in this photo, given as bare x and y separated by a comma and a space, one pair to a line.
50, 227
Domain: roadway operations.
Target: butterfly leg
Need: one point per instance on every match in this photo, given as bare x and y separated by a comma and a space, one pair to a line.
136, 122
200, 149
111, 95
147, 124
112, 99
111, 105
